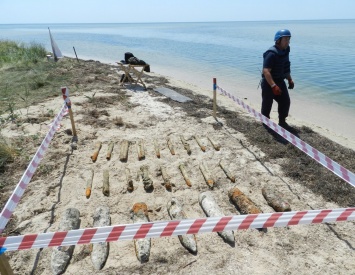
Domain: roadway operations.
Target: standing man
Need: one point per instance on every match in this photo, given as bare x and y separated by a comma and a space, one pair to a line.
276, 68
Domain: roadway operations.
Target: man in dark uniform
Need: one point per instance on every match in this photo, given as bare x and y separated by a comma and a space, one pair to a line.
276, 68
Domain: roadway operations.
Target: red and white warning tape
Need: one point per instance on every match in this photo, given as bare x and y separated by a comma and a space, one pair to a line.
174, 228
26, 177
330, 164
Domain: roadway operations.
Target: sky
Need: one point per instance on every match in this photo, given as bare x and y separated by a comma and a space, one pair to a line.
145, 11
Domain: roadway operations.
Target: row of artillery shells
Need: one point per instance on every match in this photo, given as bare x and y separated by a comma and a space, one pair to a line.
124, 146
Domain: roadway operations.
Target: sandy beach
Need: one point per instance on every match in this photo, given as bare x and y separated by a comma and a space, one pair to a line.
105, 112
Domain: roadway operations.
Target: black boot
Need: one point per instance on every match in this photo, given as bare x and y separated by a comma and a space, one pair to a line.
283, 123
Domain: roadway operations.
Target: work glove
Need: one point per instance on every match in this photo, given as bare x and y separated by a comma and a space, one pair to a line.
276, 90
291, 84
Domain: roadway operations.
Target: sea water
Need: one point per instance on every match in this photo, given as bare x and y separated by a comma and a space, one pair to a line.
322, 51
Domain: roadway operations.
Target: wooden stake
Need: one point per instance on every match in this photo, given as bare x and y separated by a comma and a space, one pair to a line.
109, 150
96, 151
5, 268
124, 150
89, 184
184, 174
214, 98
72, 121
106, 183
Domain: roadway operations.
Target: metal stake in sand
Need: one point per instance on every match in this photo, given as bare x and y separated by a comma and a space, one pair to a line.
5, 267
65, 92
215, 98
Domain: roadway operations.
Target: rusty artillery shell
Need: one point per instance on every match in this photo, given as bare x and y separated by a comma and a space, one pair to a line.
124, 150
275, 199
226, 171
166, 178
147, 181
215, 145
156, 148
89, 184
211, 209
177, 213
206, 175
129, 179
203, 148
140, 149
106, 183
243, 203
141, 246
170, 145
99, 252
184, 174
109, 150
186, 145
96, 151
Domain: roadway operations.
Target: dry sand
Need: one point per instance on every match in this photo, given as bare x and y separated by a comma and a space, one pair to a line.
311, 249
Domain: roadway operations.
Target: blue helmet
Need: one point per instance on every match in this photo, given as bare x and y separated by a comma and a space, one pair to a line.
282, 33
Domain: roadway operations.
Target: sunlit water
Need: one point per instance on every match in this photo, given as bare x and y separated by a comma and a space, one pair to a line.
322, 52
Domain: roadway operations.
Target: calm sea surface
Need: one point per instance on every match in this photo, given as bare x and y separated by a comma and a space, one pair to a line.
322, 52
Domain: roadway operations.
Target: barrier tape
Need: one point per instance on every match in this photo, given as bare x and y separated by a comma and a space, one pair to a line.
328, 163
31, 168
174, 228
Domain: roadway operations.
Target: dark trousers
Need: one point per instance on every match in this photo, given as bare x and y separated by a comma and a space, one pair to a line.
268, 98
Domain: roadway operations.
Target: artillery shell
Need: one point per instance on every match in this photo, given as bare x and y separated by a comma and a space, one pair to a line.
211, 209
100, 250
141, 246
184, 174
215, 145
206, 175
170, 145
166, 178
124, 150
109, 150
156, 148
89, 184
61, 255
176, 213
129, 180
275, 199
186, 145
96, 151
140, 149
106, 183
203, 147
226, 171
147, 181
244, 204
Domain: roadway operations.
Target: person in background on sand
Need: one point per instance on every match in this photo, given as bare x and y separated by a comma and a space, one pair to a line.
276, 68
